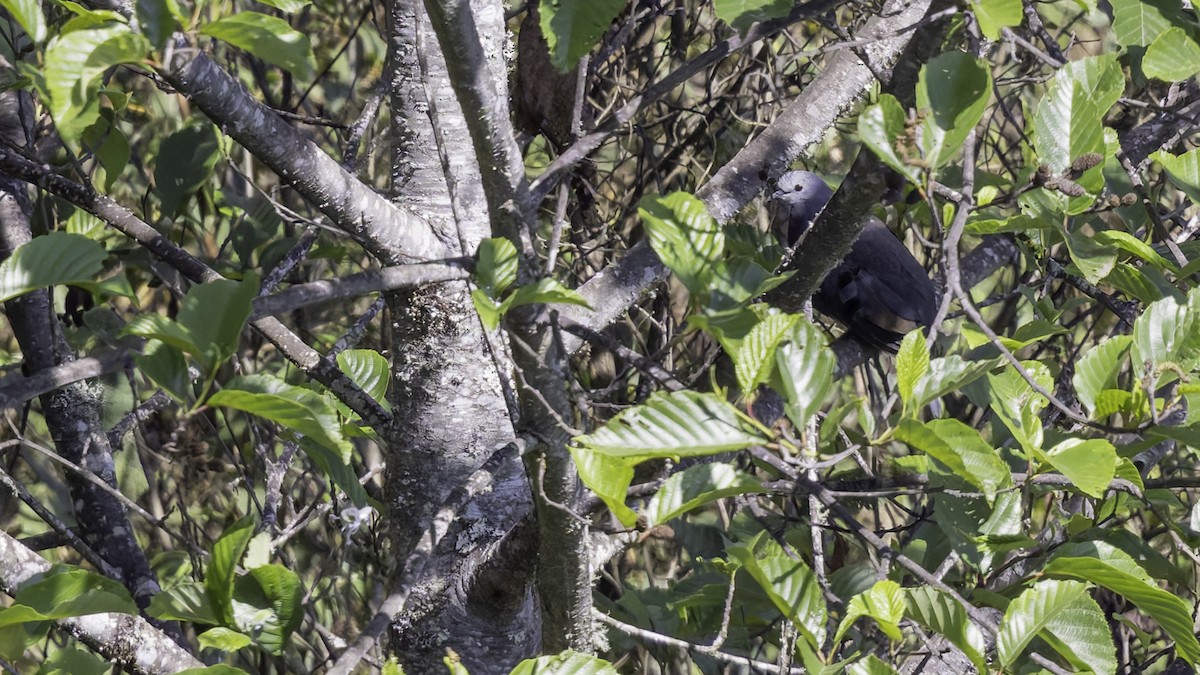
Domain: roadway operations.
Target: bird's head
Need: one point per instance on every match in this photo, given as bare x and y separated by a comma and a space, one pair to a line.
799, 199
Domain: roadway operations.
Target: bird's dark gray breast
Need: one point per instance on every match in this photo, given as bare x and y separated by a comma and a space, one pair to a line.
878, 291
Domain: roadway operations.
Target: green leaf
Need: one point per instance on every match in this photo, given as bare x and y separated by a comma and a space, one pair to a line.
184, 164
753, 360
741, 14
806, 371
1016, 223
110, 147
993, 15
267, 605
678, 424
1169, 610
71, 661
1167, 332
368, 369
489, 310
28, 13
883, 602
880, 126
1183, 170
949, 374
1072, 623
548, 291
953, 90
222, 567
687, 240
1098, 369
787, 581
269, 38
696, 486
158, 19
912, 364
224, 639
1094, 259
1090, 464
76, 59
1134, 246
565, 663
496, 268
941, 614
185, 602
1140, 22
52, 259
288, 6
214, 313
294, 408
1017, 404
609, 477
65, 591
573, 27
1173, 56
219, 669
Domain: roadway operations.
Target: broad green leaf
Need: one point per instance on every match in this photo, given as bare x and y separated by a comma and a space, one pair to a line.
912, 364
949, 374
806, 372
695, 486
565, 663
883, 602
1134, 246
546, 290
214, 313
158, 19
573, 27
185, 602
71, 661
489, 310
74, 62
1090, 464
267, 605
679, 424
741, 14
881, 126
110, 147
739, 279
267, 37
288, 6
1140, 22
295, 408
953, 90
753, 360
1072, 621
1167, 332
872, 665
609, 477
28, 13
219, 669
159, 327
222, 567
1173, 56
167, 367
941, 614
368, 369
788, 582
184, 164
1183, 170
1068, 122
66, 592
224, 639
687, 240
52, 259
1016, 223
993, 15
983, 466
1017, 404
1095, 260
1135, 283
496, 268
1098, 369
1170, 611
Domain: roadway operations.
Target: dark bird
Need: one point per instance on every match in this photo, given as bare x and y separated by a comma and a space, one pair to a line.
878, 291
